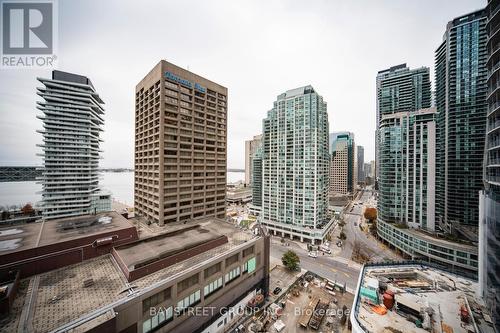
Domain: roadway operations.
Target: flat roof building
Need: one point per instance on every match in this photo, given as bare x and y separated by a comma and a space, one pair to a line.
343, 164
295, 163
182, 279
180, 146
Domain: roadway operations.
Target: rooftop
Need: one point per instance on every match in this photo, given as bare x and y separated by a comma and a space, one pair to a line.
177, 239
410, 297
47, 301
30, 235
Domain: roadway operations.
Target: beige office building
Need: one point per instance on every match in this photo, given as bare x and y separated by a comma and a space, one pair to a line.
343, 164
250, 149
180, 146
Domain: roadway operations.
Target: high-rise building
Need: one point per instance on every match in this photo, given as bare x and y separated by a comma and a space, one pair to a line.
251, 147
400, 88
256, 207
408, 172
360, 161
72, 123
489, 198
180, 146
295, 165
461, 104
343, 170
367, 169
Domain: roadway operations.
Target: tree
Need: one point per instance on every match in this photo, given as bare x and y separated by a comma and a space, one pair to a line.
5, 215
370, 214
342, 236
27, 209
290, 260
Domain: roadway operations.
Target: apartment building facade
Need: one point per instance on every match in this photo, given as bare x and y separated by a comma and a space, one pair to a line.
180, 146
489, 197
295, 166
461, 91
72, 125
408, 170
251, 147
400, 88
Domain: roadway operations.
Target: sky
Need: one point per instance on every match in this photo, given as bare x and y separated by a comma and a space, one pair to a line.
257, 49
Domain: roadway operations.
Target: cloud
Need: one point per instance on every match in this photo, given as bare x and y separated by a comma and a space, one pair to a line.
258, 49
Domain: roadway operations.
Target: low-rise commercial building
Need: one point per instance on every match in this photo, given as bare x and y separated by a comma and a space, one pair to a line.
182, 279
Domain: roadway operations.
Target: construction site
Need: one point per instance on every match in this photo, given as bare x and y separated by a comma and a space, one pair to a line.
417, 298
310, 304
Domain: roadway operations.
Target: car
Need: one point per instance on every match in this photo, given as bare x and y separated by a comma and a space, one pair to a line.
276, 290
325, 249
312, 254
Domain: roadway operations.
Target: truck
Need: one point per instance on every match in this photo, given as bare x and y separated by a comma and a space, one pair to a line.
318, 315
308, 312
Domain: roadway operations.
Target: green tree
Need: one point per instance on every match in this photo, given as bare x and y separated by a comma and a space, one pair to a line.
342, 236
290, 260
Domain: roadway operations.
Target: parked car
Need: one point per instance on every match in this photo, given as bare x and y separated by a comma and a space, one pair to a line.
312, 254
325, 249
276, 290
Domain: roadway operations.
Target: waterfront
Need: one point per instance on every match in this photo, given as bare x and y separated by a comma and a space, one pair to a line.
120, 184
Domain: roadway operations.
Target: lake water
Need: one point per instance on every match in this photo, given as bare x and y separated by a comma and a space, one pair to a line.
120, 184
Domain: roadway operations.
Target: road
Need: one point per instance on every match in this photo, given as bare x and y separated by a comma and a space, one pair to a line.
325, 266
339, 266
377, 250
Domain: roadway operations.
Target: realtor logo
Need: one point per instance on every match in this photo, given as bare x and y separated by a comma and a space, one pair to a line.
28, 34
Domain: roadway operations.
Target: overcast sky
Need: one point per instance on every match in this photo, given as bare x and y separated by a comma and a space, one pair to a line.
257, 49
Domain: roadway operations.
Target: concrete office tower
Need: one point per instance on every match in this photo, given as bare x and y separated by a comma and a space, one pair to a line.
180, 146
72, 122
400, 88
295, 166
360, 161
408, 171
343, 169
489, 198
250, 149
461, 93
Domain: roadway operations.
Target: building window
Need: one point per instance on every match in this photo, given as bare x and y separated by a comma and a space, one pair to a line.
232, 274
248, 251
187, 283
251, 264
155, 299
188, 301
212, 270
212, 287
162, 317
231, 260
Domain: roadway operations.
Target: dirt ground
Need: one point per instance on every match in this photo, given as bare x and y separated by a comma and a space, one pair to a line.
294, 305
